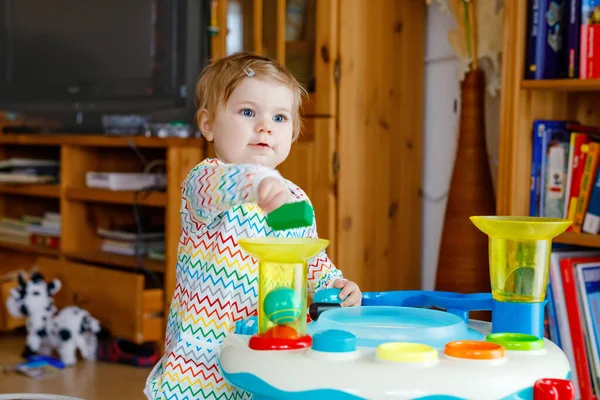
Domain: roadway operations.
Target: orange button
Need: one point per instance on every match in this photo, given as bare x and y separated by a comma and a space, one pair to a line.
474, 349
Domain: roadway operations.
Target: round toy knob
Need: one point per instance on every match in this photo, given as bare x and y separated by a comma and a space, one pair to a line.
334, 341
331, 295
281, 306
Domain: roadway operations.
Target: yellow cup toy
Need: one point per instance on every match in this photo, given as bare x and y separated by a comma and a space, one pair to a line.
519, 254
282, 284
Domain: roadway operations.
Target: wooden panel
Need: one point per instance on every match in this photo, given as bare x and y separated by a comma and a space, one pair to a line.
153, 199
379, 224
257, 26
567, 85
114, 297
325, 61
77, 233
40, 250
280, 31
179, 162
218, 42
97, 140
578, 239
153, 301
152, 328
17, 206
583, 107
117, 260
51, 191
513, 118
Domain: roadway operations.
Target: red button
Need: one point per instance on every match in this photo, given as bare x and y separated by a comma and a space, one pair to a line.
553, 389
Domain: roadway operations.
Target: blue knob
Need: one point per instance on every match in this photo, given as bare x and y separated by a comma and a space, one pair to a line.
247, 326
331, 295
334, 341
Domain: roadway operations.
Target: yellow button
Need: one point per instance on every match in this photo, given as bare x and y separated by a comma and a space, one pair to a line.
406, 352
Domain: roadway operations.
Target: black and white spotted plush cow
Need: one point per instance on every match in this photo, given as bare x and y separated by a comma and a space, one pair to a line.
48, 328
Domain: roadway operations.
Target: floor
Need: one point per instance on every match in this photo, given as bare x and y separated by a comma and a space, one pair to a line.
89, 381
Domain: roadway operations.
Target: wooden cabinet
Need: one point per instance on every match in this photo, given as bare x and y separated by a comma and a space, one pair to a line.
129, 295
524, 101
359, 158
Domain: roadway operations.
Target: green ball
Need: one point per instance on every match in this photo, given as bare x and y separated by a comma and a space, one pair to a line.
281, 306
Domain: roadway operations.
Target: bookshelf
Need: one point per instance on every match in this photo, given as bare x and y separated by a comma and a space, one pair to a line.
83, 210
523, 101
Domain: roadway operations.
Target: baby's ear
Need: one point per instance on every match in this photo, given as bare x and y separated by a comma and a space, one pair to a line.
205, 125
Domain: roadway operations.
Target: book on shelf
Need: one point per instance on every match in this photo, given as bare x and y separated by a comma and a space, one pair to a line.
126, 240
28, 171
573, 315
565, 179
561, 39
41, 231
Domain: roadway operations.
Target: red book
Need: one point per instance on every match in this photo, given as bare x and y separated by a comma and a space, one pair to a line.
567, 266
589, 62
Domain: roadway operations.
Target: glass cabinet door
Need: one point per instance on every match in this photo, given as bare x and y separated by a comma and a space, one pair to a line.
281, 29
289, 34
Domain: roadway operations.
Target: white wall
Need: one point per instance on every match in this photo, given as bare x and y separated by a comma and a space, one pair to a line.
441, 114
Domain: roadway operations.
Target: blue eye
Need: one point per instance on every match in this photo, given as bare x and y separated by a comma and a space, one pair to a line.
279, 118
247, 112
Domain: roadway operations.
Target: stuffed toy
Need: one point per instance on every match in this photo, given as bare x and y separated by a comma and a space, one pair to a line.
48, 328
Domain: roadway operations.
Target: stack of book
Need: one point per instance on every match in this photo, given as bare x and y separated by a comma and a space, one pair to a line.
28, 171
564, 173
573, 315
561, 39
32, 230
126, 241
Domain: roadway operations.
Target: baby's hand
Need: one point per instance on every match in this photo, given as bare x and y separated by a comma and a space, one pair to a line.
349, 289
272, 194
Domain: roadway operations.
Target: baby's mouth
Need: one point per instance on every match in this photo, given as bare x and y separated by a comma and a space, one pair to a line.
262, 145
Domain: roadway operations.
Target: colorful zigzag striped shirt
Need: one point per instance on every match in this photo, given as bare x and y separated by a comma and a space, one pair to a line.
217, 282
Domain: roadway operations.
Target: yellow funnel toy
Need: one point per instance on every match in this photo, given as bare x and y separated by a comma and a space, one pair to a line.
519, 249
282, 283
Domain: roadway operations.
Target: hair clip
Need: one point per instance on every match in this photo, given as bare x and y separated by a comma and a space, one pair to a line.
248, 71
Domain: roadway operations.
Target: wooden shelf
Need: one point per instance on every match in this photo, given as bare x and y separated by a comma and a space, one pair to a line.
579, 239
154, 199
562, 85
51, 191
46, 251
116, 260
84, 140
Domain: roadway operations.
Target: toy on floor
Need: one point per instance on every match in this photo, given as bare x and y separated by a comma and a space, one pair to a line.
48, 328
395, 346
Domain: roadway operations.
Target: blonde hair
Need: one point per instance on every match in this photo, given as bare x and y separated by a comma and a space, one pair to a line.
220, 78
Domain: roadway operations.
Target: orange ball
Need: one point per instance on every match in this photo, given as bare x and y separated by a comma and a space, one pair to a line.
281, 332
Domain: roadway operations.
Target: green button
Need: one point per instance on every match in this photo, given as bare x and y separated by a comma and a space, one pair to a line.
516, 341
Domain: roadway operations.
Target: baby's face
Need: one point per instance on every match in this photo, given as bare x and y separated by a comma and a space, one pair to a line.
255, 126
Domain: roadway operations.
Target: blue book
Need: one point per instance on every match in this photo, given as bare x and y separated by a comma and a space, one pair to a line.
533, 28
550, 44
591, 222
544, 131
587, 277
573, 38
536, 165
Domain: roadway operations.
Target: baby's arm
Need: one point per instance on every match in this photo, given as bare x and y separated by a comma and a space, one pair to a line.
212, 187
321, 271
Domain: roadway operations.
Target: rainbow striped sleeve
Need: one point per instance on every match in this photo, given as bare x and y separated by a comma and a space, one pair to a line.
213, 186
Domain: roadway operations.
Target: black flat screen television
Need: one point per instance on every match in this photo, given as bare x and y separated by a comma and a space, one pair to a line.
76, 60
